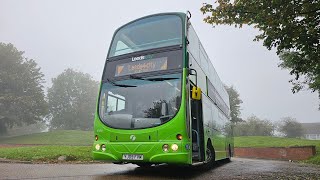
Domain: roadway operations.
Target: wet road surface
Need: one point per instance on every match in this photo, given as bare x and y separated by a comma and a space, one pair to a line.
237, 169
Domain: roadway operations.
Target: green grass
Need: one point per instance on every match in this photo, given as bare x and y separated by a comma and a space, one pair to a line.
315, 159
76, 145
266, 141
61, 137
47, 153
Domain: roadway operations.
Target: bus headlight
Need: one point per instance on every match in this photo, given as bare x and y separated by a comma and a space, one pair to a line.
165, 147
174, 147
97, 147
103, 147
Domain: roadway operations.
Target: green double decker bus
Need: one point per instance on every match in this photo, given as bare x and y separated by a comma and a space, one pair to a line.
161, 100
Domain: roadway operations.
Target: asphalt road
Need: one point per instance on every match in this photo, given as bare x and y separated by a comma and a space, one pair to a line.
237, 169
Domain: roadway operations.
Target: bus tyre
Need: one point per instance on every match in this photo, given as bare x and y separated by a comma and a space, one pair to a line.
229, 153
210, 160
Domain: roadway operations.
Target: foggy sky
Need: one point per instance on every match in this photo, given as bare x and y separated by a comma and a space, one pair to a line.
77, 34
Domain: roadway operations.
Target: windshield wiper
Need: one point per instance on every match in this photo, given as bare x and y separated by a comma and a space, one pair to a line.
151, 79
160, 79
136, 77
165, 118
120, 85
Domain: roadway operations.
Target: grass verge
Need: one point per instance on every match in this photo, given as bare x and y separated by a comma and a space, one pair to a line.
314, 160
47, 153
62, 140
60, 137
266, 141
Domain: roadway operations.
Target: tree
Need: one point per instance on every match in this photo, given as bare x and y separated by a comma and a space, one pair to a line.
254, 126
235, 101
22, 99
291, 26
72, 100
290, 127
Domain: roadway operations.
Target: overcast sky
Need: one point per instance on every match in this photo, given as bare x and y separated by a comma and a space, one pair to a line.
77, 34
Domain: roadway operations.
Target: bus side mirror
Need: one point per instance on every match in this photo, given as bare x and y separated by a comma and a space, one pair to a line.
194, 73
196, 93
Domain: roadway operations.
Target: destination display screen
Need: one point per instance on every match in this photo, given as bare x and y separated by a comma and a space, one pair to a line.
157, 64
119, 67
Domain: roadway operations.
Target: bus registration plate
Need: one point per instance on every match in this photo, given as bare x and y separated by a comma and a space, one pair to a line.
132, 156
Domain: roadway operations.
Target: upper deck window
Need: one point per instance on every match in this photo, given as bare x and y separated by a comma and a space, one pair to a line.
147, 33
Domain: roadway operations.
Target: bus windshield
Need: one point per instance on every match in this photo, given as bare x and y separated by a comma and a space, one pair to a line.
147, 33
138, 103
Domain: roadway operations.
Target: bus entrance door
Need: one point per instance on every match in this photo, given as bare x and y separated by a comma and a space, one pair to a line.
197, 131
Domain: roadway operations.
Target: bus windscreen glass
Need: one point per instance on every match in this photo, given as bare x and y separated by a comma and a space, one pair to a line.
140, 103
147, 33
